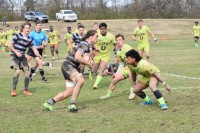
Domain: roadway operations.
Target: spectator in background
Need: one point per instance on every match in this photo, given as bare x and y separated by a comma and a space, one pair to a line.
4, 20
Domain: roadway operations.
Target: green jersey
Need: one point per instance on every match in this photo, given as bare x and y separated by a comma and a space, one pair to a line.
53, 37
142, 35
196, 30
122, 53
9, 35
2, 36
144, 68
104, 43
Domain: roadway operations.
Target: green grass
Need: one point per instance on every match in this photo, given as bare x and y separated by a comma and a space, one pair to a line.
117, 114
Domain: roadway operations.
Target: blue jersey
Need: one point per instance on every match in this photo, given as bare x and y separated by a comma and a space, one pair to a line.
38, 37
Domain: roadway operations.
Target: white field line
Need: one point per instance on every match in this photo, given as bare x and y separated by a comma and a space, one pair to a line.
181, 76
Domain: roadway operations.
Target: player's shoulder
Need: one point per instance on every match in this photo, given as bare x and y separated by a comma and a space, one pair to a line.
110, 35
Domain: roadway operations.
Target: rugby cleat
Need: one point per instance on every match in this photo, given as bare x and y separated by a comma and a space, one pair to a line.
131, 96
163, 107
150, 102
72, 108
48, 107
104, 97
13, 93
28, 93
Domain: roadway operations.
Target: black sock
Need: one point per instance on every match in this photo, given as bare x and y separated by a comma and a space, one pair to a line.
45, 64
32, 71
51, 101
26, 83
15, 80
42, 73
157, 94
141, 94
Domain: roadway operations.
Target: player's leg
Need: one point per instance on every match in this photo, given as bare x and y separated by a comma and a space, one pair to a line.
141, 52
147, 51
44, 52
116, 78
52, 52
102, 67
197, 42
95, 66
56, 50
60, 96
16, 75
153, 84
25, 68
138, 90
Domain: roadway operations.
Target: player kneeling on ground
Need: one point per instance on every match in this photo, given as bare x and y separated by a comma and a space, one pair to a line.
74, 79
18, 46
151, 77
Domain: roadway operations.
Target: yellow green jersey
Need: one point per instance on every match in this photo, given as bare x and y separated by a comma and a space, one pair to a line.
196, 30
105, 43
9, 35
2, 37
144, 68
142, 35
68, 36
122, 53
16, 31
53, 37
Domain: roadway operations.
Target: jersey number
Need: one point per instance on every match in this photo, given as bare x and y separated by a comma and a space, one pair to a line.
141, 36
103, 46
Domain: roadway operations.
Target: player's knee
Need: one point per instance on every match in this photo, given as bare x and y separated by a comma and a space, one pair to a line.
81, 80
17, 72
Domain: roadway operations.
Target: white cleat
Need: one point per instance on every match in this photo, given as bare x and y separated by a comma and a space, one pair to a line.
51, 65
34, 74
104, 97
131, 96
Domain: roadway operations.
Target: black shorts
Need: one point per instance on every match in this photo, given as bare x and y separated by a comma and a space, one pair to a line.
196, 37
67, 70
20, 63
31, 53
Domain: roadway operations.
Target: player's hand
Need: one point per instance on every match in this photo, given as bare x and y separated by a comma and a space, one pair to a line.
58, 41
18, 54
168, 88
155, 40
41, 47
39, 56
89, 65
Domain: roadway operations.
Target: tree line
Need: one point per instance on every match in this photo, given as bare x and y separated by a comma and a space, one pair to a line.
104, 9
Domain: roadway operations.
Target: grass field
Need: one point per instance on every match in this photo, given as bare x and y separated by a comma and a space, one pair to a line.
175, 54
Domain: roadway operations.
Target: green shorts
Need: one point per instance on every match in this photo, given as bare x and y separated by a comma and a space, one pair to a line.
125, 71
98, 58
143, 47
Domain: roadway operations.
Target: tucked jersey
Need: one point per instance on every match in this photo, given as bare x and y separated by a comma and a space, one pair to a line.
38, 37
105, 43
122, 52
76, 38
21, 43
144, 68
142, 34
85, 48
53, 37
9, 34
196, 30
